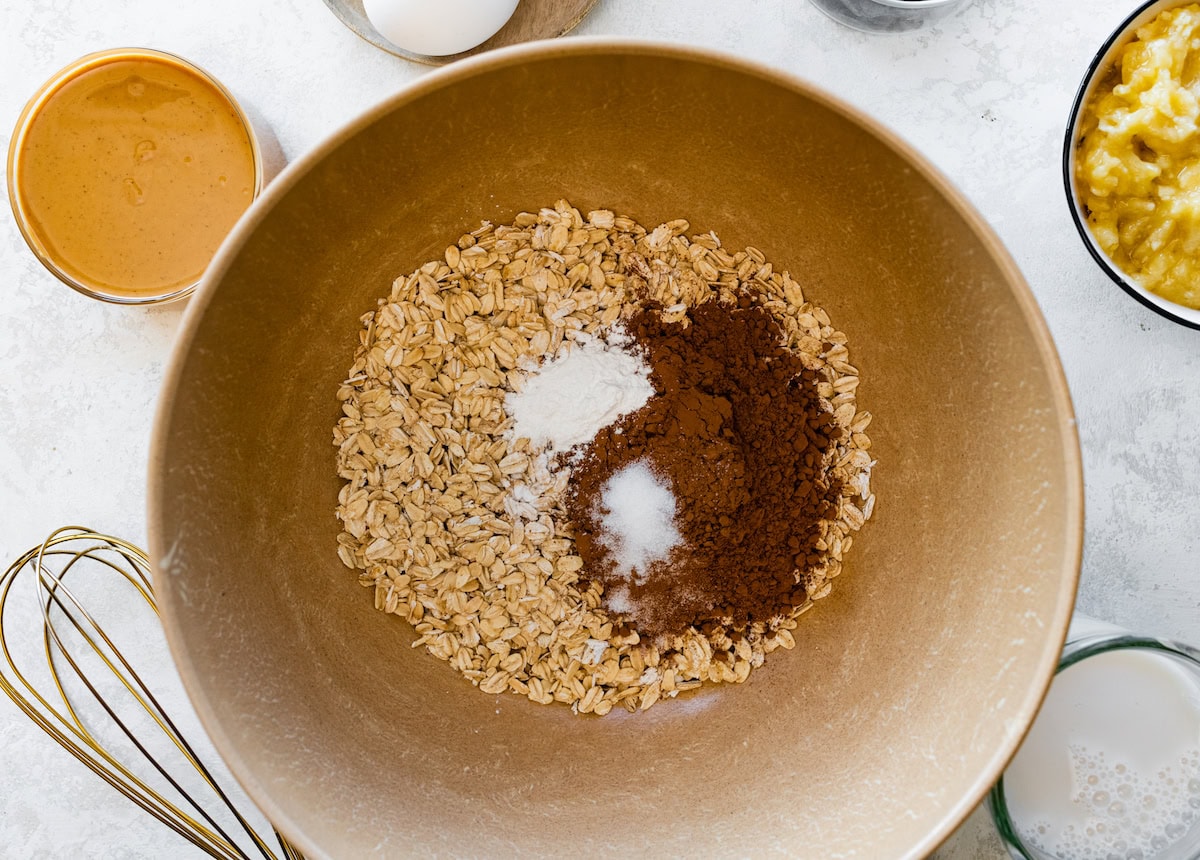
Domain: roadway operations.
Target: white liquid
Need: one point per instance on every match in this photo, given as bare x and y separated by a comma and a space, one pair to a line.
1111, 768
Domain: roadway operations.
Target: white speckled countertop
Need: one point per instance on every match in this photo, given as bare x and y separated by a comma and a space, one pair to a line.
984, 94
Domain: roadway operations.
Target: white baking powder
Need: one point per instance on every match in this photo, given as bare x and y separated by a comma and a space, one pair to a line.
637, 520
588, 385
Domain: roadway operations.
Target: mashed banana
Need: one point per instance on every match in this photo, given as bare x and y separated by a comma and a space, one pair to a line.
1138, 161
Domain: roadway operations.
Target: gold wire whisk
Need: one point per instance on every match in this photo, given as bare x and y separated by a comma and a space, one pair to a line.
53, 711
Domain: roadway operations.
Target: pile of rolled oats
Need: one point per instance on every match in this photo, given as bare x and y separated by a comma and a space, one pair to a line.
460, 528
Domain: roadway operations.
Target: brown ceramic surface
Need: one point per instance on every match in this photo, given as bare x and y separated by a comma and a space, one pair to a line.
910, 686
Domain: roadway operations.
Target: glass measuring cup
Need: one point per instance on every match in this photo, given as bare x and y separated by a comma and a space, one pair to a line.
1111, 767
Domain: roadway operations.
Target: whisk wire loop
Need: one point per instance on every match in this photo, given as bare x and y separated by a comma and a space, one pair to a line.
70, 547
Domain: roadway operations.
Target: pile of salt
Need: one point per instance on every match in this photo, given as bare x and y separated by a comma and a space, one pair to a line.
638, 520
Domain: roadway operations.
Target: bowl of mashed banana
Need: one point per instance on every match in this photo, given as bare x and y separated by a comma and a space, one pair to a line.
1131, 158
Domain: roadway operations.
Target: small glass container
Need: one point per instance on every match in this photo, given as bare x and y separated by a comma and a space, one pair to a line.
886, 16
534, 19
1111, 767
125, 171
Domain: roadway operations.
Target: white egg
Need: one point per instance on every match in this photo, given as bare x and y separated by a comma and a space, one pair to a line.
438, 27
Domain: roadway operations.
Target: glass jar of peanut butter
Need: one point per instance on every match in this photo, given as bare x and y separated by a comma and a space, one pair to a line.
126, 171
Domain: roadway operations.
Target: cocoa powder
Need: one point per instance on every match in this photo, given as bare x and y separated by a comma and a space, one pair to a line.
738, 430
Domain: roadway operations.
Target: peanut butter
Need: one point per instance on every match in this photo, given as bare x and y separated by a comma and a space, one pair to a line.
128, 170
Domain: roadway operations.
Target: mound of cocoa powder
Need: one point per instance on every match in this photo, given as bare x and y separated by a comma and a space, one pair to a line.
737, 429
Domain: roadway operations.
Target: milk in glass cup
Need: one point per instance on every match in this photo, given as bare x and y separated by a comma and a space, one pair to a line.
1111, 768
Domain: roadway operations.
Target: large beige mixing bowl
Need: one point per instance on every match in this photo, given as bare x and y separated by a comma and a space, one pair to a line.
909, 687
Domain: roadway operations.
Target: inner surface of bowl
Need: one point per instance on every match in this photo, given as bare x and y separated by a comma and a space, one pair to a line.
909, 687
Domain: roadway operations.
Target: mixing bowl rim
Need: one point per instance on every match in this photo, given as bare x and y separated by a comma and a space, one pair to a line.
601, 45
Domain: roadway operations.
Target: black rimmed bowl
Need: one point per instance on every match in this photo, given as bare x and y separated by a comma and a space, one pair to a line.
1101, 63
